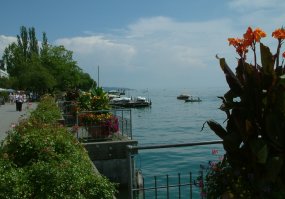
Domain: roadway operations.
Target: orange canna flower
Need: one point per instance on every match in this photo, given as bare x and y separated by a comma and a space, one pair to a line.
236, 42
239, 44
279, 33
258, 34
253, 36
233, 41
248, 37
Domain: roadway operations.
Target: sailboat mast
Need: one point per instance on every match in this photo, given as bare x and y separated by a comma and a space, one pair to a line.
98, 76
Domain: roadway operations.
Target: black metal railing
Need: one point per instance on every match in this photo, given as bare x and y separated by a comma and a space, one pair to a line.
164, 186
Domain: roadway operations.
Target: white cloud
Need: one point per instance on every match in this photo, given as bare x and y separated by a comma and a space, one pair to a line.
4, 42
99, 50
155, 49
162, 51
241, 5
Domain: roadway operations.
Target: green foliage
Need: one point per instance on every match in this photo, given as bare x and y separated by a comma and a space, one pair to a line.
37, 80
5, 83
254, 137
94, 100
222, 180
39, 159
44, 68
72, 95
13, 183
47, 111
5, 95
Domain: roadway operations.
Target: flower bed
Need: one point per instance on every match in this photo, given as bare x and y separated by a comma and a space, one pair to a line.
99, 125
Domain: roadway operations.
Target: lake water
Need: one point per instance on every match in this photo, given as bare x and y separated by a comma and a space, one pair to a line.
172, 121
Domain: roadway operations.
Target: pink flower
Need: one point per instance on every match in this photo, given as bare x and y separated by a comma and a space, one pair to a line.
215, 151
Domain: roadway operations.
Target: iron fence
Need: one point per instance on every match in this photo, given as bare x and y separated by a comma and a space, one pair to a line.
164, 186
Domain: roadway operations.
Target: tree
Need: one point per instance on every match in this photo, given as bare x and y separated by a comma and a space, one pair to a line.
52, 66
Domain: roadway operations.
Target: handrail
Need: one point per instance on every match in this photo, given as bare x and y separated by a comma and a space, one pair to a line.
131, 150
159, 146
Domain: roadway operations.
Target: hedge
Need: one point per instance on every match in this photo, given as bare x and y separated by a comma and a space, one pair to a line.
41, 159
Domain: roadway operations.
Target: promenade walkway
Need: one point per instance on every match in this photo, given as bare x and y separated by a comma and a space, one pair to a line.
9, 116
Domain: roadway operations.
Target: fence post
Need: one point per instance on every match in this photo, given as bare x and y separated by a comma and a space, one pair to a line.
190, 182
131, 128
130, 164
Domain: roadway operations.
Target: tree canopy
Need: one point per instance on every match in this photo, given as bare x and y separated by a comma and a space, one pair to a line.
42, 67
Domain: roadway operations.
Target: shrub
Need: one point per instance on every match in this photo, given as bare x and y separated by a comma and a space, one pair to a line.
47, 111
40, 159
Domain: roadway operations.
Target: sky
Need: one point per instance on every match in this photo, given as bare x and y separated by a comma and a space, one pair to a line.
146, 43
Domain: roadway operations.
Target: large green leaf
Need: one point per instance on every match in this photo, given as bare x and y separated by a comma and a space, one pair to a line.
273, 166
217, 128
282, 80
232, 80
260, 149
274, 126
232, 142
267, 59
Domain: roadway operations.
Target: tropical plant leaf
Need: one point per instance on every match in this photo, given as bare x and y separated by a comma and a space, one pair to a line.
273, 166
267, 60
274, 131
232, 142
260, 149
232, 80
282, 80
217, 128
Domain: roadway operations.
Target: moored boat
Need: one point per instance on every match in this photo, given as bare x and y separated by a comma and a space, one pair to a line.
183, 97
127, 102
193, 99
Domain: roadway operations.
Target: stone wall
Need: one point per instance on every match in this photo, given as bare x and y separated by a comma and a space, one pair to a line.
111, 159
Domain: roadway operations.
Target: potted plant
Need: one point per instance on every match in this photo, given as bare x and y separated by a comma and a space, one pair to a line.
99, 125
93, 114
254, 139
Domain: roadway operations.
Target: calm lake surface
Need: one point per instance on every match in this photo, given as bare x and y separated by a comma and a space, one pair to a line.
172, 121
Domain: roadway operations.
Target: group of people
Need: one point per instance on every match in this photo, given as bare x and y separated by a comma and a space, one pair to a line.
19, 98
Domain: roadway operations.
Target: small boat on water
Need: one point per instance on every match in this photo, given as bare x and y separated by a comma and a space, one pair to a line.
128, 102
183, 97
193, 99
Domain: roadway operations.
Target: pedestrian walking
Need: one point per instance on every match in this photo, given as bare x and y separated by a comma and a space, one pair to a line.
11, 98
17, 100
20, 101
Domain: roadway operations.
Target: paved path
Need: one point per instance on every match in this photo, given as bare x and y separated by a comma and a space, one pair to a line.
9, 116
